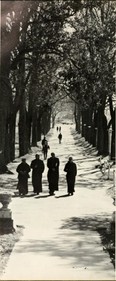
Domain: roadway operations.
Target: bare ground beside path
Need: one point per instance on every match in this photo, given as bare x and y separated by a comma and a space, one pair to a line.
60, 238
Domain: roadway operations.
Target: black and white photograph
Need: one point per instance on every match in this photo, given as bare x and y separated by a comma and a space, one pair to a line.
57, 139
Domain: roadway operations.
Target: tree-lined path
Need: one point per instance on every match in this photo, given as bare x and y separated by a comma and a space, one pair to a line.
58, 66
59, 240
53, 52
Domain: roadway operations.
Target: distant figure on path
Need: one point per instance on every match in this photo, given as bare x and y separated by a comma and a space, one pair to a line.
53, 173
59, 129
37, 167
60, 137
43, 141
45, 149
23, 170
71, 170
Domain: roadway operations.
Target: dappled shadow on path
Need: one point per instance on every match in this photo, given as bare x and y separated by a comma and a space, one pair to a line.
88, 184
76, 251
76, 243
87, 222
100, 223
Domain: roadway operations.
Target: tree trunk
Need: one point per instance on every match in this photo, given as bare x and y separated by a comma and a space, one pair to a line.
34, 129
12, 136
6, 107
23, 132
77, 115
94, 130
53, 121
83, 123
89, 124
39, 129
29, 130
23, 140
112, 122
102, 144
46, 121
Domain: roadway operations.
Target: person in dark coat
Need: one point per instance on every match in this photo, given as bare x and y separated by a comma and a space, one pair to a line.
71, 170
23, 170
43, 141
45, 149
53, 173
37, 167
60, 137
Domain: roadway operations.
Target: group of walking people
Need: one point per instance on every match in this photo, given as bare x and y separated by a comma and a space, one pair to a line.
60, 134
58, 128
38, 166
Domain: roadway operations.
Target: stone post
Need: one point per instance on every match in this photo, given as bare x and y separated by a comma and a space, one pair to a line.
6, 222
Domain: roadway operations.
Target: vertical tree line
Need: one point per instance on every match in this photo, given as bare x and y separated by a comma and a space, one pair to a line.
51, 49
89, 71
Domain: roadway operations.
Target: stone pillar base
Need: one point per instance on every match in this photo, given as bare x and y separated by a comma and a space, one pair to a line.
6, 225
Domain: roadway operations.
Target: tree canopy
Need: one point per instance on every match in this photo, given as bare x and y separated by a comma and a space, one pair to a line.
51, 49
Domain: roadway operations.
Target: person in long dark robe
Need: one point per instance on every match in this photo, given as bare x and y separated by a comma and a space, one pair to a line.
37, 167
60, 137
53, 173
71, 170
23, 170
43, 141
45, 150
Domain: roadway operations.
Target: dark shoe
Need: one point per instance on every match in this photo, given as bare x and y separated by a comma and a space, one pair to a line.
72, 193
52, 193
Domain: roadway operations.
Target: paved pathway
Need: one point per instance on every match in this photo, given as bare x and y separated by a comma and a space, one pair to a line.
57, 243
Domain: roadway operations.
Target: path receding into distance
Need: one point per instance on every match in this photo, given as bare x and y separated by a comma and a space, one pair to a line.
59, 240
